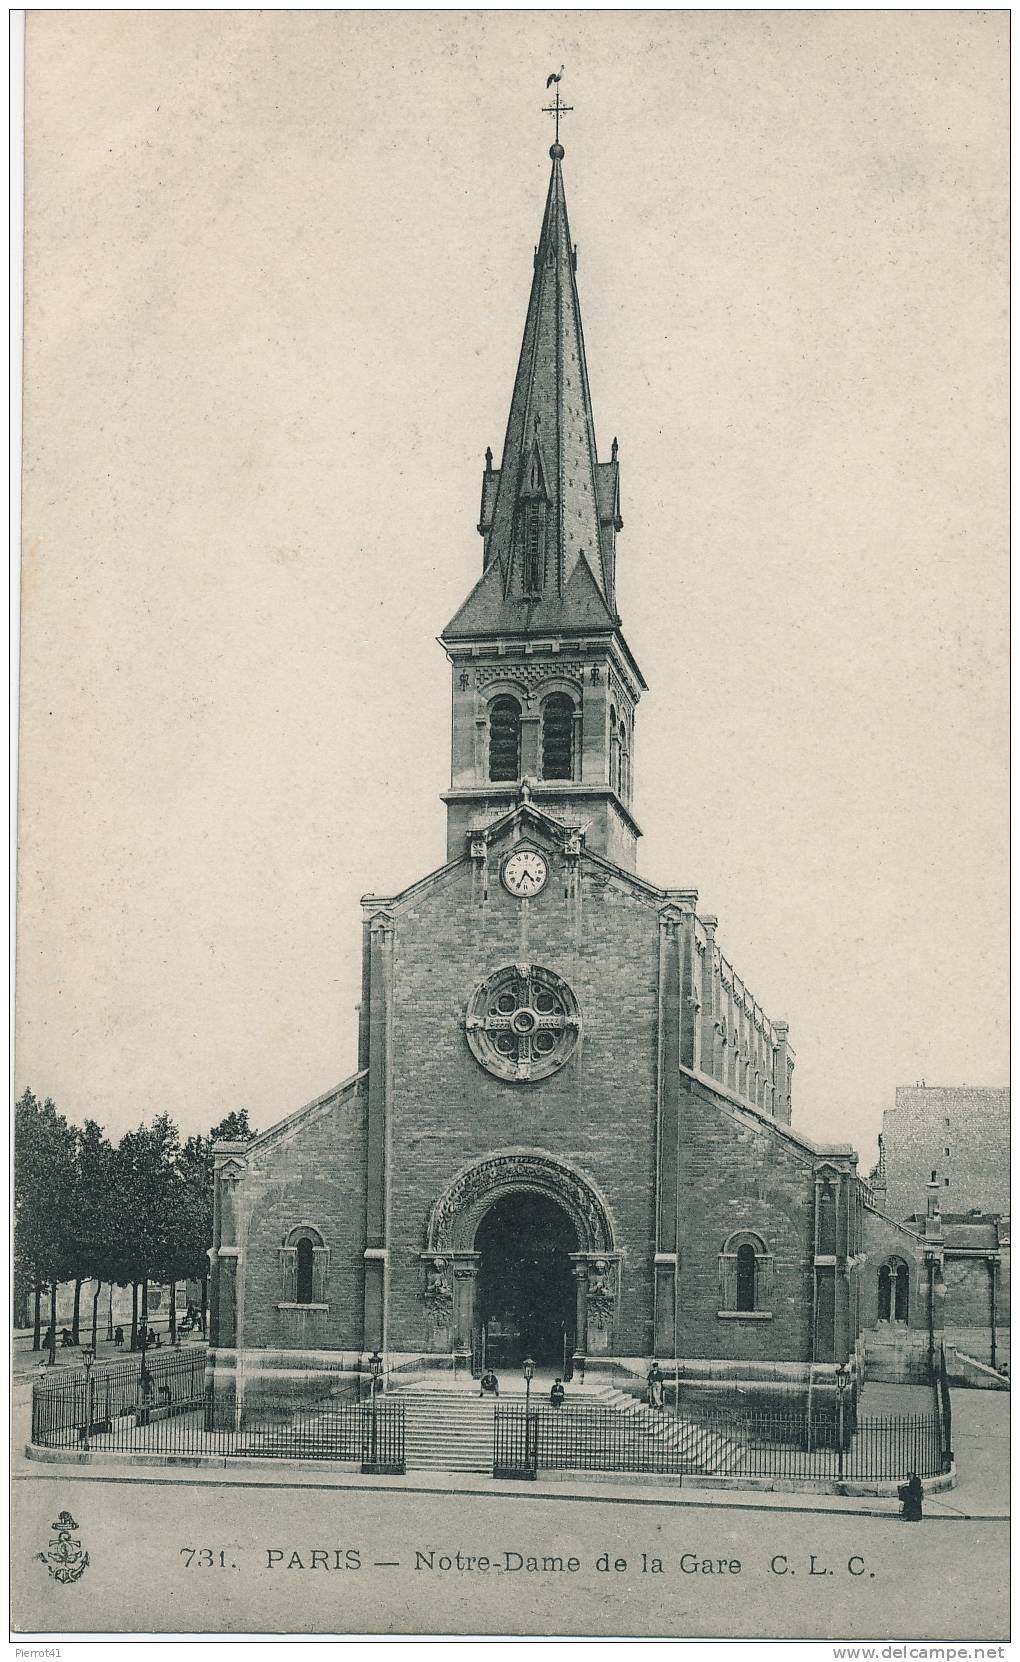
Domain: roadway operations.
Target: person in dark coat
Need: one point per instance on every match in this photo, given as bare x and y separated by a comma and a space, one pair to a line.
655, 1384
911, 1496
489, 1384
557, 1394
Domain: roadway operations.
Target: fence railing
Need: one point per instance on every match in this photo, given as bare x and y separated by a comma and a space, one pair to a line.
791, 1444
172, 1412
164, 1385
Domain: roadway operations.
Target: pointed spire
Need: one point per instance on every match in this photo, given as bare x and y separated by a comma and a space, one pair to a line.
551, 510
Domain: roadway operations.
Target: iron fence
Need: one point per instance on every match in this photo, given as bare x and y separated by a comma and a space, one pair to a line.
751, 1444
173, 1413
69, 1407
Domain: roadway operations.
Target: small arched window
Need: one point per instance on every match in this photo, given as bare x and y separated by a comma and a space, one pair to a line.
305, 1269
504, 739
893, 1291
558, 737
746, 1276
614, 748
623, 772
304, 1262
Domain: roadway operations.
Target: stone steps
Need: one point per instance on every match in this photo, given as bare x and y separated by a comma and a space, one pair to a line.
453, 1429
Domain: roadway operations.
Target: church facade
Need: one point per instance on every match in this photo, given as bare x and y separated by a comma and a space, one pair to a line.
569, 1133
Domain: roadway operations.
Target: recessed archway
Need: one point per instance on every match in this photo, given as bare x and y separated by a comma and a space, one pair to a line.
525, 1304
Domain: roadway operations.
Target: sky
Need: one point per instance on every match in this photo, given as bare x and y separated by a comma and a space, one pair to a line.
277, 266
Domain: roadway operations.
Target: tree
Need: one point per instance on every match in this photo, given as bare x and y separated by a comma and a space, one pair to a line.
44, 1159
149, 1179
92, 1222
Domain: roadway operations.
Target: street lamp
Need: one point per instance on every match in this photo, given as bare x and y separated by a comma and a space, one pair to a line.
842, 1381
528, 1369
375, 1367
88, 1356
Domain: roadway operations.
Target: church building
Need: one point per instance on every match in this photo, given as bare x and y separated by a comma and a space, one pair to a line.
569, 1131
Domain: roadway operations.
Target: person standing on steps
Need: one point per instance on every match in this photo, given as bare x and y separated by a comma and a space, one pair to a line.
655, 1384
557, 1394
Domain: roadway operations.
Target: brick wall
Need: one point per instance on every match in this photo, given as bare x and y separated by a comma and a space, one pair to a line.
598, 1111
972, 1123
315, 1176
736, 1175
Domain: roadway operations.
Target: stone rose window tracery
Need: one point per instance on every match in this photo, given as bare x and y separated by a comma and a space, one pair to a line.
523, 1022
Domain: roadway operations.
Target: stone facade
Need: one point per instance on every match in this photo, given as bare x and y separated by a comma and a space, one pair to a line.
561, 1078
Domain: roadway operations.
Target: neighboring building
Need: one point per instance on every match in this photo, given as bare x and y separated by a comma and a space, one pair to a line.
569, 1129
954, 1135
937, 1278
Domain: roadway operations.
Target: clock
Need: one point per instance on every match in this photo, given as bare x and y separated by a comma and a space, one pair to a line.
524, 873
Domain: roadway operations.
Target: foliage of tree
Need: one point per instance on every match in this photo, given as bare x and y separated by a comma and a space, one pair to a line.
138, 1213
44, 1175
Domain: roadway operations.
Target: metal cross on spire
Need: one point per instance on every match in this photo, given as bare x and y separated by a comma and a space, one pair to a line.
557, 108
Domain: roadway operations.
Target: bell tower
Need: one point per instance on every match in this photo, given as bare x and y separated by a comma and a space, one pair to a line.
544, 685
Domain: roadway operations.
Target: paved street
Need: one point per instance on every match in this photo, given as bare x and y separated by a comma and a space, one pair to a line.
330, 1560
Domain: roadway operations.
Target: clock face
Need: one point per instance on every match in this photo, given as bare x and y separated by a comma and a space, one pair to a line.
525, 873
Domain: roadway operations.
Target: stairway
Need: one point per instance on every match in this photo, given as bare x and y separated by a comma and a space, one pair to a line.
700, 1449
446, 1430
451, 1429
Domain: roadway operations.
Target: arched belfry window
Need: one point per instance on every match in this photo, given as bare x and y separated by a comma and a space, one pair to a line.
624, 767
304, 1265
745, 1276
558, 737
614, 748
504, 738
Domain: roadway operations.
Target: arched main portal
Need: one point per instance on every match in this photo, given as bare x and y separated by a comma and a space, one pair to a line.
500, 1244
525, 1303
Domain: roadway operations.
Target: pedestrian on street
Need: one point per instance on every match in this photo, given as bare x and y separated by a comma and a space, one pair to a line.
557, 1394
911, 1495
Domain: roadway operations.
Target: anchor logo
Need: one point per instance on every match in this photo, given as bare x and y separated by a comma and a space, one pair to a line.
65, 1560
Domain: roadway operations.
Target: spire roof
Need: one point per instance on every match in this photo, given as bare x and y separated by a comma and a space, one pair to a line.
550, 511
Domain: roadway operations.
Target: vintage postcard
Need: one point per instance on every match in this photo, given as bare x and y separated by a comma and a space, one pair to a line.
511, 1127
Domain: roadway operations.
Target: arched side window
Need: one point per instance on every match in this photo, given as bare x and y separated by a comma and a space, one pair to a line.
893, 1291
745, 1276
614, 748
558, 737
504, 739
304, 1267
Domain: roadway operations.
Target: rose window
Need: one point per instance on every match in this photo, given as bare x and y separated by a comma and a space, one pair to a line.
523, 1022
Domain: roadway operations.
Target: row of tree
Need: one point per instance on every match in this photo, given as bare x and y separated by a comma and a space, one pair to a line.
124, 1214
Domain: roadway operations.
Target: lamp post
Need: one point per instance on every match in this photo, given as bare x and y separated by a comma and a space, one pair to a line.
842, 1381
528, 1369
88, 1356
375, 1365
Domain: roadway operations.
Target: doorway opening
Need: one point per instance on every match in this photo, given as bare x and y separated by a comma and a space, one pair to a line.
526, 1297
